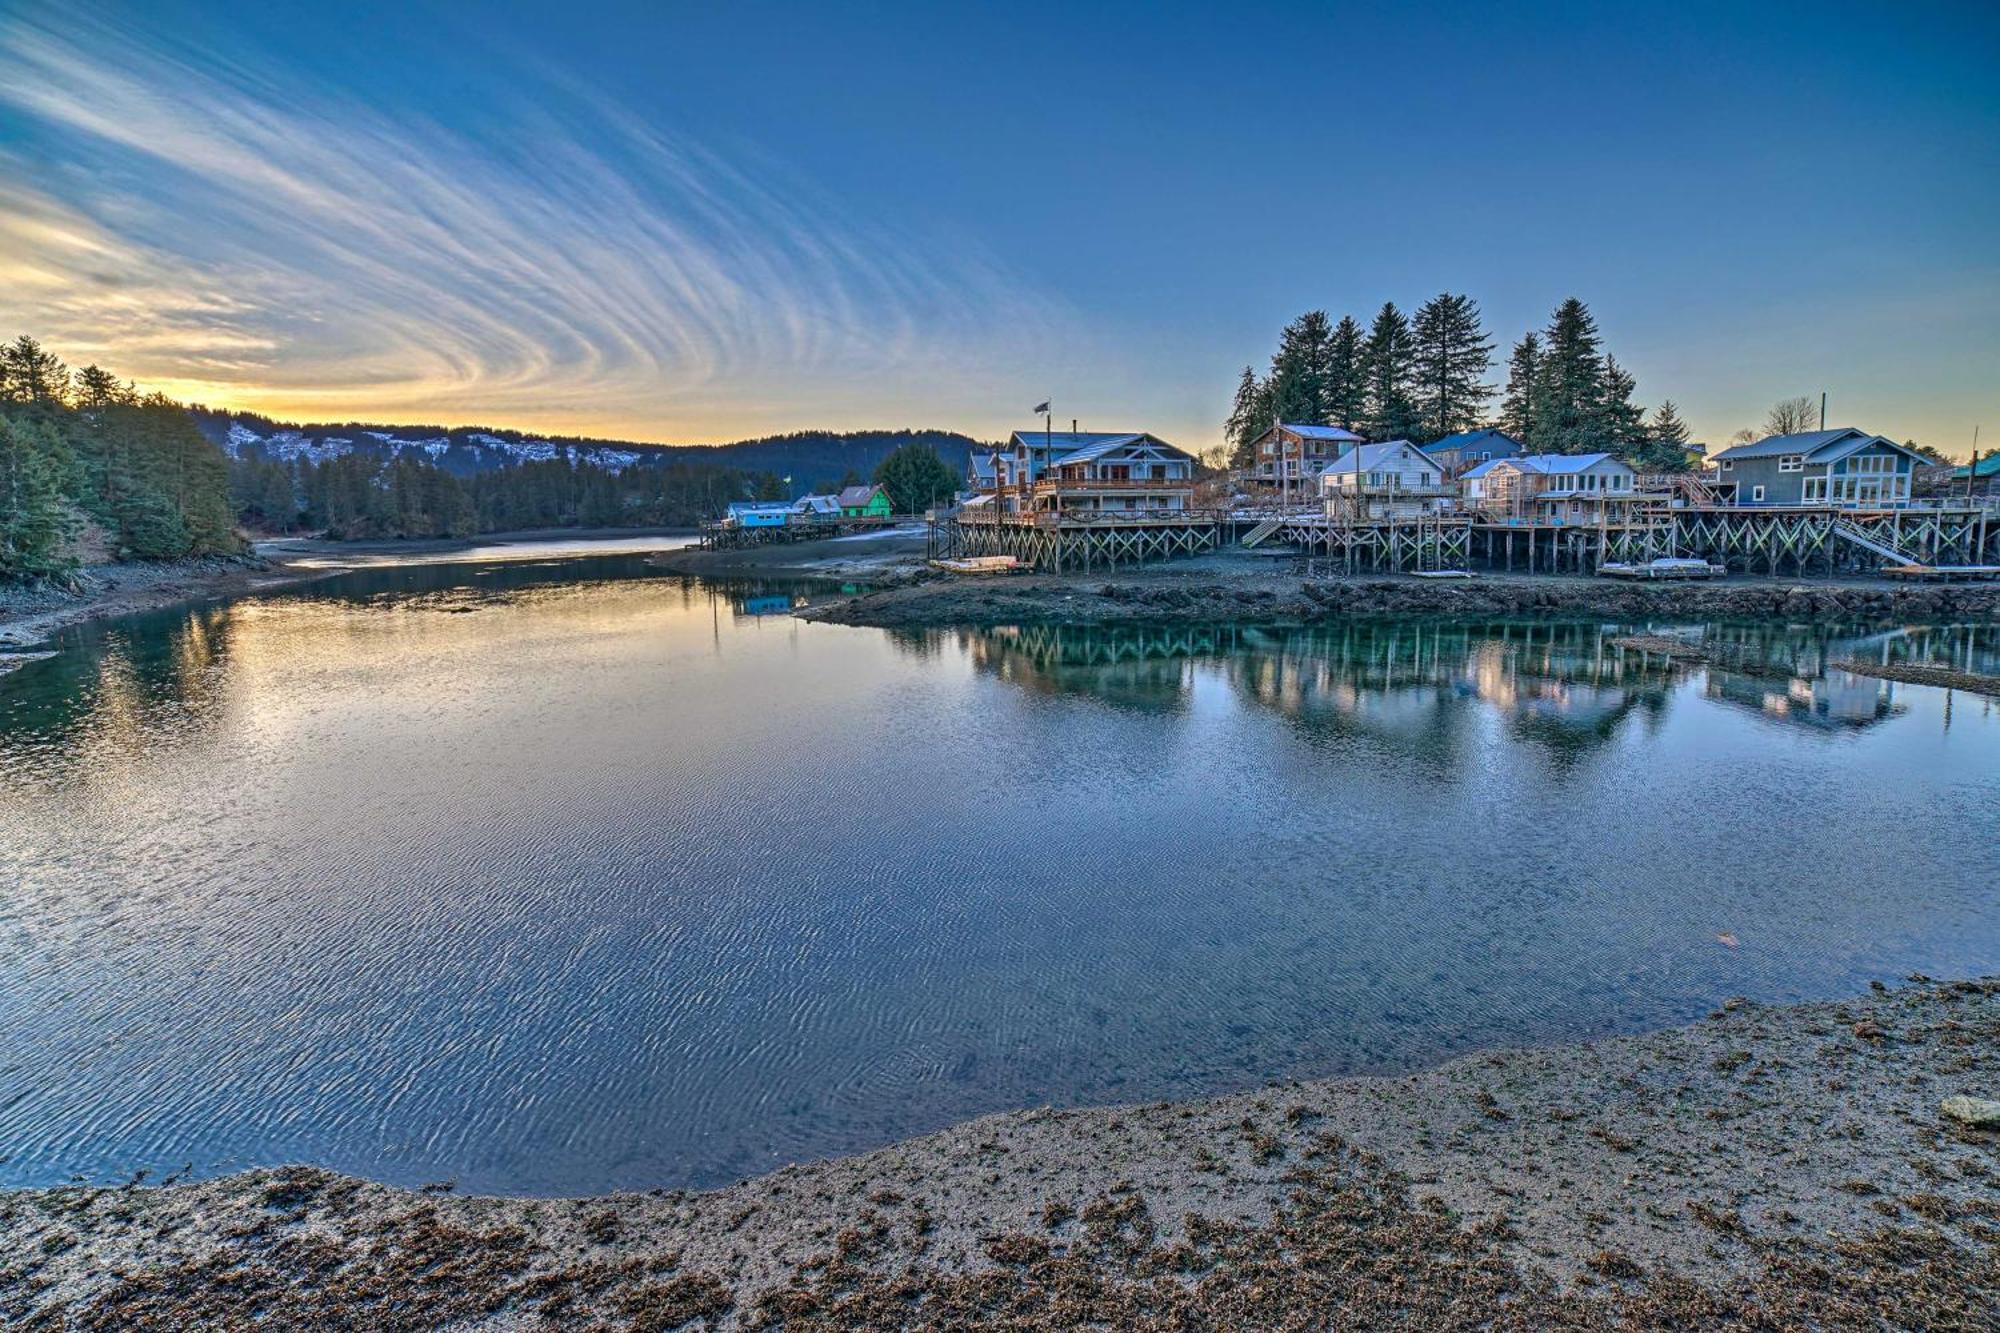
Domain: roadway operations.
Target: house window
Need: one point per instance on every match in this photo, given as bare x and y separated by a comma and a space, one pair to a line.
1815, 490
1756, 495
1791, 462
1728, 465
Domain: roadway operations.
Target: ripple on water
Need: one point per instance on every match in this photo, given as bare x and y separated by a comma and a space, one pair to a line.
610, 884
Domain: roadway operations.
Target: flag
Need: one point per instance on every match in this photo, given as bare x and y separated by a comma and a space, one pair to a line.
1041, 408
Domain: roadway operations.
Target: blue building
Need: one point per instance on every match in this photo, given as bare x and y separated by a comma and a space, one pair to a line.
759, 513
1456, 454
1844, 467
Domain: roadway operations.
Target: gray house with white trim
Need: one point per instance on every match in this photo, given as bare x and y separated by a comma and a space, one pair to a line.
1843, 468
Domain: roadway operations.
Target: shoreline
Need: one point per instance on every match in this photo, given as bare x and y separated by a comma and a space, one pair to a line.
1245, 588
31, 617
1785, 1164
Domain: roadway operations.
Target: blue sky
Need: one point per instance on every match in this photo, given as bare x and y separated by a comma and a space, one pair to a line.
700, 222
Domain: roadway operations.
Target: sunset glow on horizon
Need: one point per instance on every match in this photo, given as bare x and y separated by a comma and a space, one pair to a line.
703, 227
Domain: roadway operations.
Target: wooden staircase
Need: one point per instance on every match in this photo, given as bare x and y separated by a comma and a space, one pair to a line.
1854, 535
1262, 531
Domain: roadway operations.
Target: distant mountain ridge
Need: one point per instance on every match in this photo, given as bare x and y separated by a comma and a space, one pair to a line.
811, 459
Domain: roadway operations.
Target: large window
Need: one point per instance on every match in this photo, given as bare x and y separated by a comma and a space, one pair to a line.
1815, 490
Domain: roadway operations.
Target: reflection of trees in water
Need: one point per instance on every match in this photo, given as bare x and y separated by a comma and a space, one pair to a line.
1407, 682
156, 682
1568, 687
1144, 668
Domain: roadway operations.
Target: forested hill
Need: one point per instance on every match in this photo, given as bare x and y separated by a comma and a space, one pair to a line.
814, 460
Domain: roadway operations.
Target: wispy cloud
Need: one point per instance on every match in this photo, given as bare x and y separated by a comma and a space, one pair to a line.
244, 237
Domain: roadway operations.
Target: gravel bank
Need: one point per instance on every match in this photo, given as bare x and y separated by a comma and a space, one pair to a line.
1769, 1167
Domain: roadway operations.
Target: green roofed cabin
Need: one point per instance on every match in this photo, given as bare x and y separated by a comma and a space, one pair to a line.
864, 502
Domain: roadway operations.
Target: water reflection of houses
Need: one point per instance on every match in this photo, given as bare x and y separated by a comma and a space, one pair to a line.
1142, 667
1406, 683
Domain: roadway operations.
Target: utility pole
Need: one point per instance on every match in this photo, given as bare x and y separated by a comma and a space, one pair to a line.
1822, 409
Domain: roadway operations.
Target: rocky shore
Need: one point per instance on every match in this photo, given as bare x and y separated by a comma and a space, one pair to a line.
29, 616
1829, 1165
1205, 592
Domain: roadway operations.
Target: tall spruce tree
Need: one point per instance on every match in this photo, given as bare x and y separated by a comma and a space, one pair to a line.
1391, 413
1346, 376
34, 519
1247, 419
1621, 423
1569, 417
31, 374
1450, 355
1665, 441
1517, 409
1299, 370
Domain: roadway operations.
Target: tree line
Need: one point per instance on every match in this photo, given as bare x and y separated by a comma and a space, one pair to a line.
88, 462
360, 497
1425, 377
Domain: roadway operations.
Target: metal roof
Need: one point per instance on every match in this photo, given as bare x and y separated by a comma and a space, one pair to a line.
856, 497
1807, 442
1466, 438
1333, 433
1987, 466
1065, 440
1557, 465
1475, 473
1363, 457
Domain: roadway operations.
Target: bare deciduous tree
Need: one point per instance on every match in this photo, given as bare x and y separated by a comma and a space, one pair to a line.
1791, 416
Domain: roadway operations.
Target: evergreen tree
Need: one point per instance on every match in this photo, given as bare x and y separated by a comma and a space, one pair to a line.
1346, 376
1391, 414
1450, 355
1570, 383
1621, 423
1517, 409
915, 478
34, 520
1299, 371
30, 374
1246, 419
94, 388
1665, 437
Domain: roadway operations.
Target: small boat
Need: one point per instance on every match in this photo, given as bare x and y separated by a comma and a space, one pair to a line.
981, 564
1666, 567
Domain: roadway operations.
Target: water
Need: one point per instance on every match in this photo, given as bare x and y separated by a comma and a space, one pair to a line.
562, 876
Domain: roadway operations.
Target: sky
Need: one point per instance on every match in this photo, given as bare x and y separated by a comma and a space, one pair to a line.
696, 222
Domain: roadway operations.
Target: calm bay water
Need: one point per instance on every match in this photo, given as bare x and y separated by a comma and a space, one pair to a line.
557, 877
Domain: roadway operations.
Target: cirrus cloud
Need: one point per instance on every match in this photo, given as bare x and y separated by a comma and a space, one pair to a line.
240, 236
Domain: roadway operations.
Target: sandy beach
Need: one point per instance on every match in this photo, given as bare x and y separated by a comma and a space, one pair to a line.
1767, 1167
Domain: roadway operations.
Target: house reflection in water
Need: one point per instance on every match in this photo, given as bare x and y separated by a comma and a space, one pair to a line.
1570, 687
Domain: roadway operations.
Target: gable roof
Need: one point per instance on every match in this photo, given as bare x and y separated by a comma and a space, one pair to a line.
1557, 465
1987, 466
817, 504
857, 497
983, 466
1083, 445
1820, 446
1467, 438
1064, 441
1365, 456
1480, 470
1333, 433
